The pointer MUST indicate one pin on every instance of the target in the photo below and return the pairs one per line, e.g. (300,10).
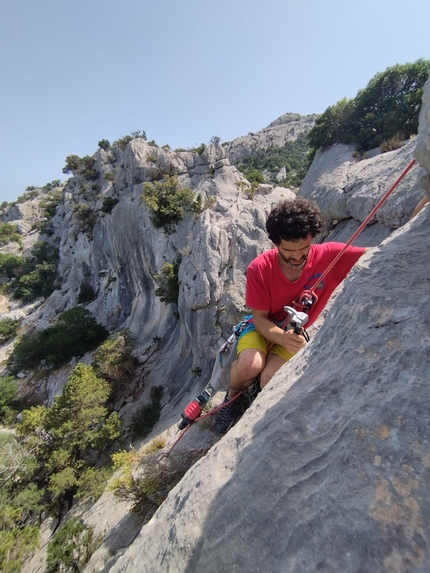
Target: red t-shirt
(267,288)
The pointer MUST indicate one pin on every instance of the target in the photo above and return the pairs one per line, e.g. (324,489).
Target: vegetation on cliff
(388,107)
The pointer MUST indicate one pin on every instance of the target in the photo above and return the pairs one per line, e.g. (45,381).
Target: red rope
(364,223)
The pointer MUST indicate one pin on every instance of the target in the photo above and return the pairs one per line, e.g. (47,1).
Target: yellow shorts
(254,339)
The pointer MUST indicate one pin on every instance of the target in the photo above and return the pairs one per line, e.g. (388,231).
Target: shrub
(9,234)
(16,545)
(109,203)
(168,282)
(75,333)
(200,148)
(8,329)
(12,266)
(85,216)
(9,397)
(109,176)
(167,202)
(36,283)
(86,293)
(139,134)
(145,419)
(114,362)
(122,142)
(148,485)
(392,143)
(35,276)
(83,166)
(50,204)
(104,144)
(71,547)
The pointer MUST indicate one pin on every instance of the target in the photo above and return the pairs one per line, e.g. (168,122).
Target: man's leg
(245,369)
(273,364)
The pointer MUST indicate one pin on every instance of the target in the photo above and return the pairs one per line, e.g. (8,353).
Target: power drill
(194,408)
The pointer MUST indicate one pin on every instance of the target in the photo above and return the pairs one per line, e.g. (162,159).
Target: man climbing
(275,279)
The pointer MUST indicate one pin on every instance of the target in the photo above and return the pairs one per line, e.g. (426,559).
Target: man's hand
(293,342)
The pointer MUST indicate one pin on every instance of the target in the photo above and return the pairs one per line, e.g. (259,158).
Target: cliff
(328,470)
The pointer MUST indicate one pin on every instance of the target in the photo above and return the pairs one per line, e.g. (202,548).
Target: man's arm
(291,341)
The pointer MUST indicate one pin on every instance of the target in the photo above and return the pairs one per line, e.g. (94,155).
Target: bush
(109,203)
(109,176)
(38,282)
(168,282)
(8,329)
(392,143)
(86,217)
(167,202)
(122,142)
(16,545)
(71,547)
(75,333)
(200,148)
(114,362)
(86,293)
(12,266)
(9,397)
(104,144)
(83,166)
(147,486)
(9,234)
(35,276)
(145,419)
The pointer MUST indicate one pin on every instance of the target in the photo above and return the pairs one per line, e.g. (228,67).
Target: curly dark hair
(293,220)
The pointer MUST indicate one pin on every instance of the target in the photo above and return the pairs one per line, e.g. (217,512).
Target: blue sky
(75,72)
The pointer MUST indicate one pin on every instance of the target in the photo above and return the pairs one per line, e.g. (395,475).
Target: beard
(293,263)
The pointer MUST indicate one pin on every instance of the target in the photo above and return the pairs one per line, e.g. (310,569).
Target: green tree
(8,329)
(9,234)
(71,547)
(168,282)
(9,398)
(64,434)
(167,202)
(387,106)
(12,266)
(104,144)
(75,333)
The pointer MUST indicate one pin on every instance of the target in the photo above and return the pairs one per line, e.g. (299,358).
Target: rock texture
(286,128)
(347,189)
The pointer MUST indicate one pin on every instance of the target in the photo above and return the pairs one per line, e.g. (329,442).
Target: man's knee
(250,363)
(273,364)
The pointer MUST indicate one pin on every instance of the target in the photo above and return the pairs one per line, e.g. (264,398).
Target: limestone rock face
(286,128)
(347,189)
(423,139)
(329,468)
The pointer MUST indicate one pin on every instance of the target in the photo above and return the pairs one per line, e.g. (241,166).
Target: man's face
(295,253)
